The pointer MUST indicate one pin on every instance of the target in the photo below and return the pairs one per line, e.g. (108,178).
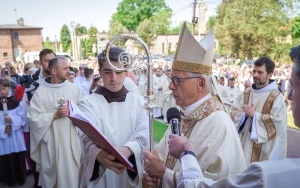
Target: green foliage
(83,48)
(147,31)
(80,30)
(48,44)
(162,21)
(92,32)
(131,12)
(211,22)
(65,38)
(296,28)
(250,28)
(280,52)
(116,28)
(177,29)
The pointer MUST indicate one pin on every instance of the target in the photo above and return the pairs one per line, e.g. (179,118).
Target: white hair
(208,80)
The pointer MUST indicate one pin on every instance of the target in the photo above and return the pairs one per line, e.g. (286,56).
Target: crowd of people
(232,119)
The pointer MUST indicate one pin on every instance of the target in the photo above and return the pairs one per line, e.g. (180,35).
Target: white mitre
(194,56)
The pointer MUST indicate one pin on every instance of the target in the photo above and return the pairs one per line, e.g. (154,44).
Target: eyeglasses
(176,81)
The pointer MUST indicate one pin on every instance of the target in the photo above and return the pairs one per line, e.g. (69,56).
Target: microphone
(173,117)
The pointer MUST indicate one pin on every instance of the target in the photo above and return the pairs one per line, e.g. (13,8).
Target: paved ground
(293,151)
(293,145)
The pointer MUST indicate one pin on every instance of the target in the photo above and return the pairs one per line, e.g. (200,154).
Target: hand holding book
(80,120)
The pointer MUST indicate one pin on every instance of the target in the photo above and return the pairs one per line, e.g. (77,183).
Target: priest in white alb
(55,145)
(261,117)
(160,82)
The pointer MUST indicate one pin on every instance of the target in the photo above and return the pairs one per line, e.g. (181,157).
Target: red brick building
(16,39)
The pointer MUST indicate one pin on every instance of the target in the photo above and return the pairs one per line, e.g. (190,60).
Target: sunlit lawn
(291,121)
(160,128)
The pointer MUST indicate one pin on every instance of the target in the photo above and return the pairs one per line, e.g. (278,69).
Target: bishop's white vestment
(213,135)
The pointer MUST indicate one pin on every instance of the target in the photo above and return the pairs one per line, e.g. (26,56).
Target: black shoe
(10,184)
(28,172)
(20,183)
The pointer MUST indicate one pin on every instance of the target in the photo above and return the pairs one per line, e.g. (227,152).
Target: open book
(80,120)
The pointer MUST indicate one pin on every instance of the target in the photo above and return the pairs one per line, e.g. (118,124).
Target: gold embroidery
(192,67)
(234,113)
(188,122)
(246,101)
(256,152)
(266,119)
(246,96)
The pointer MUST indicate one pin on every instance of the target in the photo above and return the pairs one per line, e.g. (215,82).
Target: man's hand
(153,166)
(61,111)
(125,151)
(107,160)
(8,130)
(148,181)
(8,127)
(179,144)
(7,120)
(249,110)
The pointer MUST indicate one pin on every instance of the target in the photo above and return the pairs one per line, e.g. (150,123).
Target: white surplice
(124,124)
(15,142)
(55,145)
(264,136)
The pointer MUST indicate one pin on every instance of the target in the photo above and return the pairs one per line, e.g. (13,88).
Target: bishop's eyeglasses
(176,81)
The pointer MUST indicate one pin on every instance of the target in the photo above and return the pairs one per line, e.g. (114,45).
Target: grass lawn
(291,121)
(160,128)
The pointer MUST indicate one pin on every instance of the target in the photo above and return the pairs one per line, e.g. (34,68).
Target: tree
(131,12)
(296,28)
(83,48)
(65,38)
(211,22)
(48,44)
(177,29)
(146,31)
(116,28)
(92,40)
(80,30)
(249,28)
(163,21)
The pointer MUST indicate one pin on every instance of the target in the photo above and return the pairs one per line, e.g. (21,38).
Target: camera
(27,80)
(6,72)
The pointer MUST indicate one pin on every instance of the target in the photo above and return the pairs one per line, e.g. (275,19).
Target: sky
(52,15)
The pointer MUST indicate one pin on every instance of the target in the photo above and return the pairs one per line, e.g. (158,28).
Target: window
(163,47)
(169,47)
(5,55)
(16,35)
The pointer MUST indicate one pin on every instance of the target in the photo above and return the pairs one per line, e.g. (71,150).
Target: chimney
(21,21)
